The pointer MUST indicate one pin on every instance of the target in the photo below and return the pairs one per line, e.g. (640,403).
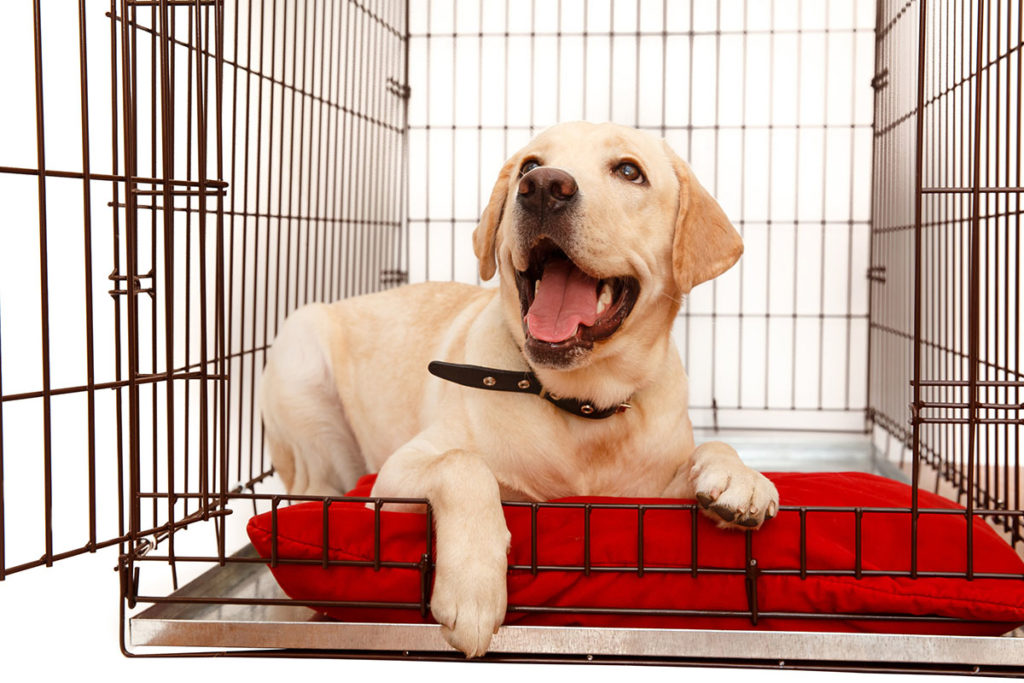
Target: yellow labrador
(596,232)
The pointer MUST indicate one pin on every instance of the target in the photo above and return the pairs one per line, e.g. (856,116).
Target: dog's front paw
(730,492)
(469,602)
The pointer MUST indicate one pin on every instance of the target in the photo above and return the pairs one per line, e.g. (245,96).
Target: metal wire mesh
(235,162)
(945,246)
(771,105)
(193,171)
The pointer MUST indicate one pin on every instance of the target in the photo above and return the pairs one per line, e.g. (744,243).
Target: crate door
(114,182)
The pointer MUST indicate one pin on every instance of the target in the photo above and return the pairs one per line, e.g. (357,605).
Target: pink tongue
(566,297)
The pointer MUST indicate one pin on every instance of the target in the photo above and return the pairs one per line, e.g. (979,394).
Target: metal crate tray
(300,628)
(293,627)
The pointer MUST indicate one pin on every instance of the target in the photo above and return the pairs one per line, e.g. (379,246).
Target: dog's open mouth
(564,307)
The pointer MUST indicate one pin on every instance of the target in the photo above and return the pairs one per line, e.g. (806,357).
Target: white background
(61,623)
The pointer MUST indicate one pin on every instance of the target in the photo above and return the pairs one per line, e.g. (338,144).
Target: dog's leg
(731,493)
(311,444)
(470,590)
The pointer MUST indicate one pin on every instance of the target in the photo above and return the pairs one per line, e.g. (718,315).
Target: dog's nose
(546,190)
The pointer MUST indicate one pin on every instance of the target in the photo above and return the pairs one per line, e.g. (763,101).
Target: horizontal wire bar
(969,190)
(639,34)
(118,384)
(78,175)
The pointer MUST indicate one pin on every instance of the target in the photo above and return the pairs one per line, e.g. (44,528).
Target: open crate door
(192,171)
(109,374)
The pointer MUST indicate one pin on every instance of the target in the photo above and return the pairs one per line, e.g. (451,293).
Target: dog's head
(598,231)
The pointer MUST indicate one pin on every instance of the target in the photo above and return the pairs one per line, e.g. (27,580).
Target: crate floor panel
(279,625)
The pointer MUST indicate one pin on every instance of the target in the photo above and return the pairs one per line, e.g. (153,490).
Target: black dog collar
(519,382)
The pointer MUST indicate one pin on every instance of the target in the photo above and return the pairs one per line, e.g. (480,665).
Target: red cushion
(981,606)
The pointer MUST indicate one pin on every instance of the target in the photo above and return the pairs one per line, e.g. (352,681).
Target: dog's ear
(705,243)
(486,233)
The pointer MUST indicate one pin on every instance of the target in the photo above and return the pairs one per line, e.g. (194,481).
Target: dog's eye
(528,166)
(630,172)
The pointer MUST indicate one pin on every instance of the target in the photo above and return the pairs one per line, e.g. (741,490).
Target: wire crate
(183,174)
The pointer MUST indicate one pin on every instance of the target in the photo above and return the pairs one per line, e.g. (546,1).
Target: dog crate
(180,175)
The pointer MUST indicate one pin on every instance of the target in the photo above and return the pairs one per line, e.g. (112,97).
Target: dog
(596,232)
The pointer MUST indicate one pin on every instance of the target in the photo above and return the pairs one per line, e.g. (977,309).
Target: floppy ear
(705,244)
(486,231)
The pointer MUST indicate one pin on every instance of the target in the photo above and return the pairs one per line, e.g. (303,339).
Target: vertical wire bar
(1017,283)
(238,224)
(455,90)
(715,146)
(131,255)
(265,220)
(304,222)
(349,190)
(394,164)
(220,340)
(858,542)
(325,537)
(201,462)
(377,503)
(693,540)
(741,223)
(44,294)
(273,530)
(315,170)
(279,292)
(918,198)
(329,164)
(768,210)
(246,223)
(1007,269)
(848,332)
(362,99)
(293,279)
(685,311)
(377,201)
(796,210)
(90,374)
(587,509)
(270,221)
(984,483)
(404,203)
(153,240)
(334,156)
(426,566)
(148,79)
(752,571)
(115,258)
(533,538)
(640,511)
(824,213)
(163,29)
(322,175)
(975,289)
(803,543)
(202,114)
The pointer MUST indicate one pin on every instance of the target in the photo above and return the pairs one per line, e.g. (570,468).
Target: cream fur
(346,391)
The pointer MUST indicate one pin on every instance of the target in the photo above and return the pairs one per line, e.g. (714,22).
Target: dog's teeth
(605,299)
(536,286)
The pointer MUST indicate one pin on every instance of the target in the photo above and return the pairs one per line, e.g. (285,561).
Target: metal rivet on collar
(554,397)
(524,384)
(489,381)
(586,409)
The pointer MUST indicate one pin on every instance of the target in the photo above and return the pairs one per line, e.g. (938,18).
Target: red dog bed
(813,569)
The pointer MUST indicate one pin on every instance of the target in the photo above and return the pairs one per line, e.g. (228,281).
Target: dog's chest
(599,461)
